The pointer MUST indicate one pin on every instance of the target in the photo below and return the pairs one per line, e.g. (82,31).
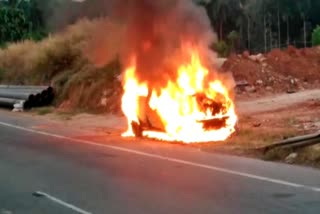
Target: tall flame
(184,106)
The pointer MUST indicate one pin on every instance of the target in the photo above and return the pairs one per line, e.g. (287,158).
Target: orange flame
(178,105)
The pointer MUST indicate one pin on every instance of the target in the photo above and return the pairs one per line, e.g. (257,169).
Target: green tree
(13,25)
(223,13)
(21,19)
(304,10)
(316,36)
(233,38)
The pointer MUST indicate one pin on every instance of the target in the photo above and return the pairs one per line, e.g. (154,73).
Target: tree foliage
(265,24)
(20,20)
(14,25)
(316,36)
(222,48)
(260,24)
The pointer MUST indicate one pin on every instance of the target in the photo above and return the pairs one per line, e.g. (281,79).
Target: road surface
(75,171)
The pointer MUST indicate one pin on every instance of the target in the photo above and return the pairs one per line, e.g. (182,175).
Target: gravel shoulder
(276,102)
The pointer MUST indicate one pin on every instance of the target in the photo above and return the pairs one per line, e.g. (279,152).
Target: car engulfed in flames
(193,107)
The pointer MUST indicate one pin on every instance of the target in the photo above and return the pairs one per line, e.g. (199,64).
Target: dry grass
(44,110)
(310,156)
(61,60)
(306,156)
(31,62)
(254,132)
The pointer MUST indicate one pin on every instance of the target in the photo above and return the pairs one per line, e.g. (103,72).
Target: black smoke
(154,31)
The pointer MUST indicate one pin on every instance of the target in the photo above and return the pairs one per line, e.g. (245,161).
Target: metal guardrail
(294,143)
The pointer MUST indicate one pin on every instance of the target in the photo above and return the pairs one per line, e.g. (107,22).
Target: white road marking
(62,203)
(190,163)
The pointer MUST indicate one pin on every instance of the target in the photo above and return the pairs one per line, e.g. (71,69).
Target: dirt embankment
(278,71)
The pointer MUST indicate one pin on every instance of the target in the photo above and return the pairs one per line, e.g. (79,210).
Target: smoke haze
(153,32)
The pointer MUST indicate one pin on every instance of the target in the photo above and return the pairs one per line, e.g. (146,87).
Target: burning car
(193,107)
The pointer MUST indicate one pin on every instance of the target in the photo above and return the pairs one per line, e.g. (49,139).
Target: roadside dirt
(278,71)
(270,120)
(276,102)
(269,108)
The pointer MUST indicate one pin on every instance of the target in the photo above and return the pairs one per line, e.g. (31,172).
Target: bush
(37,35)
(233,38)
(316,36)
(222,48)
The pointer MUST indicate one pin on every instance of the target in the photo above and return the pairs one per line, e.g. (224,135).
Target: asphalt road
(81,173)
